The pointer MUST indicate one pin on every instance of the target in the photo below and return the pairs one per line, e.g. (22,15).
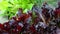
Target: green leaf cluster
(10,7)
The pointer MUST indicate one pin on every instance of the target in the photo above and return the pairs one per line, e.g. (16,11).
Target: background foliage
(10,7)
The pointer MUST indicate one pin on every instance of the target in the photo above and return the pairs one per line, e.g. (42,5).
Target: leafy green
(12,6)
